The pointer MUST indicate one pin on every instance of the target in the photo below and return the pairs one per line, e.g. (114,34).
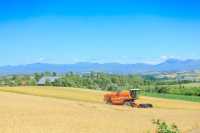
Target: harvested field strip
(59,92)
(84,95)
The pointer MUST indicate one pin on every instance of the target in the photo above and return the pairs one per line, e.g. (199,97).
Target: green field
(187,85)
(173,96)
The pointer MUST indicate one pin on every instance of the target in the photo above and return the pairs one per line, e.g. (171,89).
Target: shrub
(163,127)
(161,89)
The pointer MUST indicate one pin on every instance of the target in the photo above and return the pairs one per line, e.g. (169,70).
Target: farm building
(43,80)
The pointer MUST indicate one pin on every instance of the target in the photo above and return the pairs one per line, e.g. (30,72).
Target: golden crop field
(72,110)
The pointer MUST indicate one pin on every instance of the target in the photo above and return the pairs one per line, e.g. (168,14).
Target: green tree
(54,74)
(38,76)
(48,83)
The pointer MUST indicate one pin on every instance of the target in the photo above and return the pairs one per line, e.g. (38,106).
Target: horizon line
(92,62)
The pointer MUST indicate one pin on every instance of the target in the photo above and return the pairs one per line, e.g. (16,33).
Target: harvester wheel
(145,106)
(108,101)
(128,103)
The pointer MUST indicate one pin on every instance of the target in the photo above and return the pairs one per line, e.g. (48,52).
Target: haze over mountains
(171,65)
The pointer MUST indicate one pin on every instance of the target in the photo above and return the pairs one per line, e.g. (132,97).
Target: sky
(122,31)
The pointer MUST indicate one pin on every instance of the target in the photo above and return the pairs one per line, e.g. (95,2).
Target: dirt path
(32,114)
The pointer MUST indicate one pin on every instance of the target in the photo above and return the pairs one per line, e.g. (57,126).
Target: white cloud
(41,59)
(170,57)
(164,57)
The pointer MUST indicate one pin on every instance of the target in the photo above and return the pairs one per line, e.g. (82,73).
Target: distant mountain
(171,65)
(79,68)
(174,65)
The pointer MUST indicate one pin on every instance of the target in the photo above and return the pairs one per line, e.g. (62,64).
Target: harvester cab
(134,93)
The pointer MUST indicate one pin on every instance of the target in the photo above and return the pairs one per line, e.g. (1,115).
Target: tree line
(104,81)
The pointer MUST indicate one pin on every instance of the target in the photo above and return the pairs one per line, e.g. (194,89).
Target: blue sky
(124,31)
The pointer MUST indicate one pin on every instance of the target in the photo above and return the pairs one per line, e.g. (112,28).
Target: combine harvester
(127,98)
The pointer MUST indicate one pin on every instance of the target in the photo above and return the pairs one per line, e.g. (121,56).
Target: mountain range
(171,65)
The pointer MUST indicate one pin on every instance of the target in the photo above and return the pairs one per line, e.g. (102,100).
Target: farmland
(173,96)
(61,110)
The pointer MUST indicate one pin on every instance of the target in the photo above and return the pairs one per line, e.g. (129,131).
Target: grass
(173,96)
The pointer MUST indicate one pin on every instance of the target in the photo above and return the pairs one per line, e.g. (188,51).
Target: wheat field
(73,110)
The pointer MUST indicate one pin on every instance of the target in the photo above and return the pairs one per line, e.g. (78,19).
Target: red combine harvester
(125,98)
